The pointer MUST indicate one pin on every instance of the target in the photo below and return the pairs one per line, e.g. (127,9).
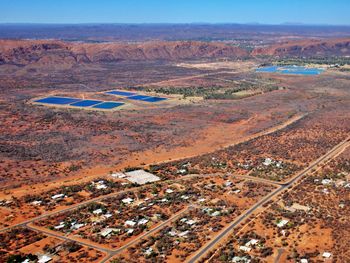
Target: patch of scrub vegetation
(340,61)
(232,91)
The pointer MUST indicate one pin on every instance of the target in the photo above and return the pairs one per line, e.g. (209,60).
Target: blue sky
(335,12)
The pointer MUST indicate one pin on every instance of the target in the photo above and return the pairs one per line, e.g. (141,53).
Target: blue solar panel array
(154,99)
(135,96)
(138,97)
(108,105)
(121,93)
(86,103)
(58,100)
(97,104)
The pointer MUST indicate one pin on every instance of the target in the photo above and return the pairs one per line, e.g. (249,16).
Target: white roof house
(251,242)
(107,231)
(325,191)
(267,161)
(169,191)
(282,222)
(216,213)
(172,233)
(97,211)
(61,225)
(107,215)
(77,226)
(58,196)
(326,181)
(101,186)
(130,223)
(127,200)
(326,254)
(228,183)
(245,249)
(44,259)
(130,231)
(148,251)
(142,221)
(237,259)
(191,222)
(118,175)
(184,234)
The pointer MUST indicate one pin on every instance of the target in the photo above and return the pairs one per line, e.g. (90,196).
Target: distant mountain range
(169,32)
(51,52)
(44,52)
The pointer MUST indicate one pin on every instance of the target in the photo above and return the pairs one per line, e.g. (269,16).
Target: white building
(282,223)
(127,200)
(169,191)
(97,211)
(184,234)
(245,249)
(44,259)
(326,181)
(130,223)
(141,177)
(60,226)
(142,221)
(58,196)
(251,242)
(326,254)
(267,161)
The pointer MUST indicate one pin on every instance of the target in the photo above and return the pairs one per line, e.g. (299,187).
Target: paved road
(209,246)
(51,233)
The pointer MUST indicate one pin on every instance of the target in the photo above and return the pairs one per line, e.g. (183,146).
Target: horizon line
(176,23)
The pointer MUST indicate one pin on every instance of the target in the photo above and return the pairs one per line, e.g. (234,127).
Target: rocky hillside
(39,53)
(46,52)
(309,48)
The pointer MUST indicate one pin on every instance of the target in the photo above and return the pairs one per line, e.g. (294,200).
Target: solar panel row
(86,103)
(97,104)
(135,96)
(57,100)
(121,93)
(108,105)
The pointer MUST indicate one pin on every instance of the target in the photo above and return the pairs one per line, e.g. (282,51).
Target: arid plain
(248,163)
